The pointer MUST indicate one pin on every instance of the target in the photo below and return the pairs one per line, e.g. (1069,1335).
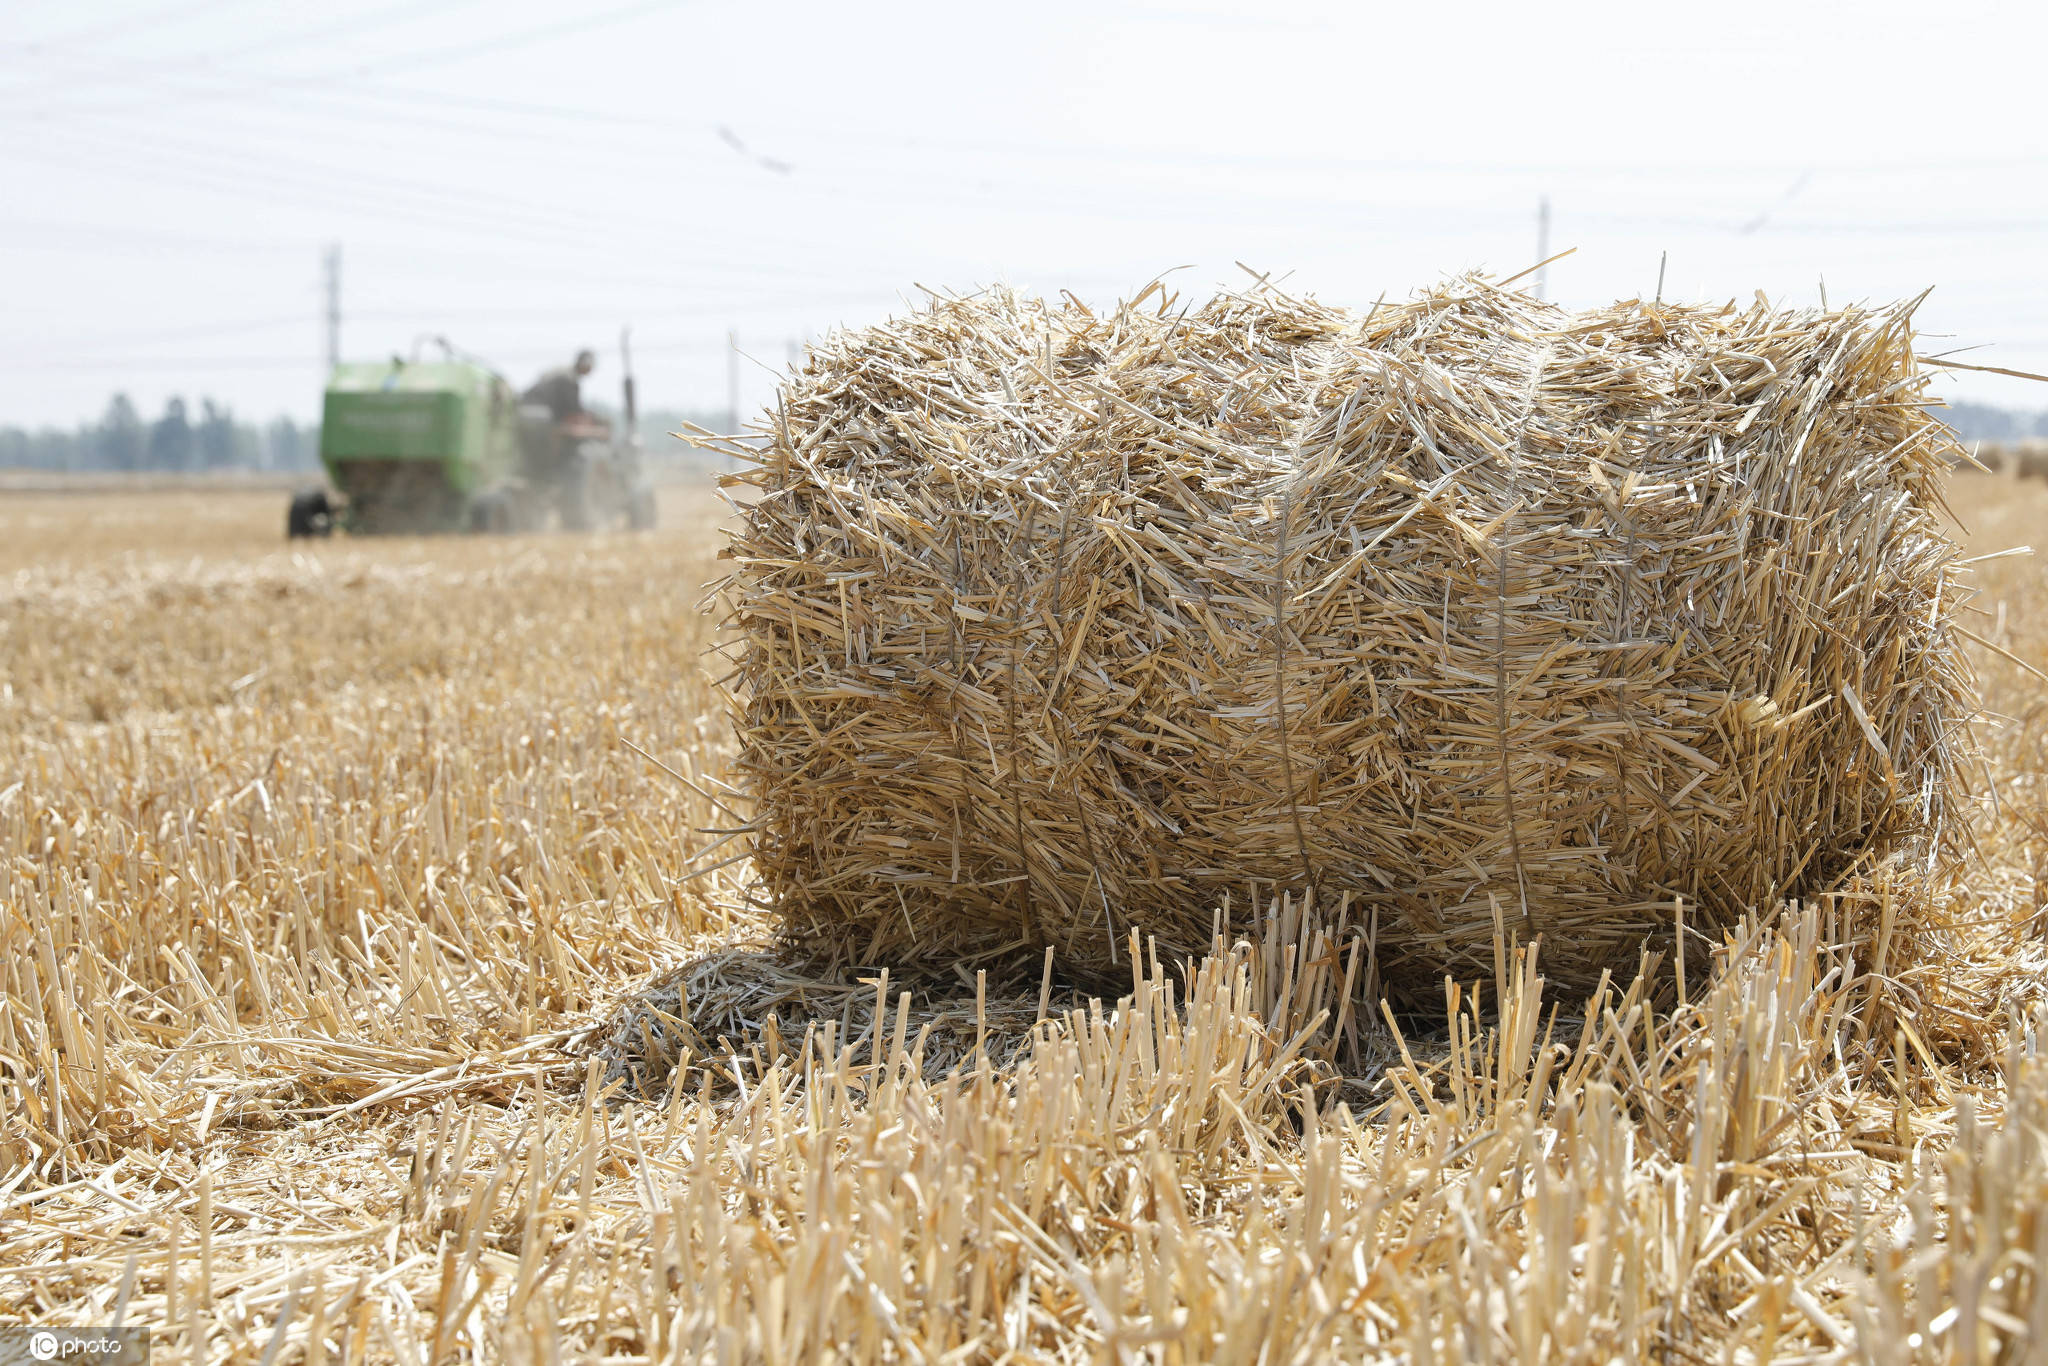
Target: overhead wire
(208,63)
(310,184)
(272,361)
(581,24)
(1220,208)
(894,194)
(724,310)
(31,234)
(1066,152)
(413,61)
(346,186)
(1183,203)
(201,169)
(403,258)
(330,179)
(409,201)
(184,9)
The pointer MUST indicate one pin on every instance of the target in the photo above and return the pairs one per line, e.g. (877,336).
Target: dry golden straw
(1470,612)
(332,877)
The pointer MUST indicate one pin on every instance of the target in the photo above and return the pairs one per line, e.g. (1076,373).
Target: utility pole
(1543,247)
(333,306)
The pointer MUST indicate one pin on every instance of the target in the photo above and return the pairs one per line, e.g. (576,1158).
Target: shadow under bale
(728,1016)
(737,1012)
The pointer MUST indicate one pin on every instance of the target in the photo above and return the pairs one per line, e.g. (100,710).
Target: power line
(273,361)
(186,9)
(327,187)
(1093,150)
(330,185)
(221,329)
(238,182)
(526,38)
(335,183)
(435,195)
(204,170)
(404,12)
(423,197)
(324,86)
(416,198)
(1178,204)
(1126,156)
(354,25)
(31,234)
(68,236)
(593,314)
(410,62)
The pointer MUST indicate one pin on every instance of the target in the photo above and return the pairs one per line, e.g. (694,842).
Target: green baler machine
(413,447)
(423,447)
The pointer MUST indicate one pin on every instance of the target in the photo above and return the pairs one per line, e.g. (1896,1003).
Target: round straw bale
(1469,613)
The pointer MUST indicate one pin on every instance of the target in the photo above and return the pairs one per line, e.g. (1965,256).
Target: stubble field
(376,984)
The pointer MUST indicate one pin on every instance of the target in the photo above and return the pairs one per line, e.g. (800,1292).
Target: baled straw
(1473,612)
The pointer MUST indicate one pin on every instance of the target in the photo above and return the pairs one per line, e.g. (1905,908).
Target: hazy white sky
(526,178)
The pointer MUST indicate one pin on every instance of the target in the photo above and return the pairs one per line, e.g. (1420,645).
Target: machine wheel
(311,515)
(492,513)
(640,509)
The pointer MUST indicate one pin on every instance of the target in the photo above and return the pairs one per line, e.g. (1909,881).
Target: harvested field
(369,996)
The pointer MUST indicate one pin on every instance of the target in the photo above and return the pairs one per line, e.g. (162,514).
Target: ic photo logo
(123,1346)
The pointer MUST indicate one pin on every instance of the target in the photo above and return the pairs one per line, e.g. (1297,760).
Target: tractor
(422,447)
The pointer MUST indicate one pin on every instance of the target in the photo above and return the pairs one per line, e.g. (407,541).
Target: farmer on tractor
(555,460)
(561,389)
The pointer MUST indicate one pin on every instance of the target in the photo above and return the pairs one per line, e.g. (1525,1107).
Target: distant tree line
(185,440)
(180,441)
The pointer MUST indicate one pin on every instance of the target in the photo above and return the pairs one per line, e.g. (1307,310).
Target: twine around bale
(1502,550)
